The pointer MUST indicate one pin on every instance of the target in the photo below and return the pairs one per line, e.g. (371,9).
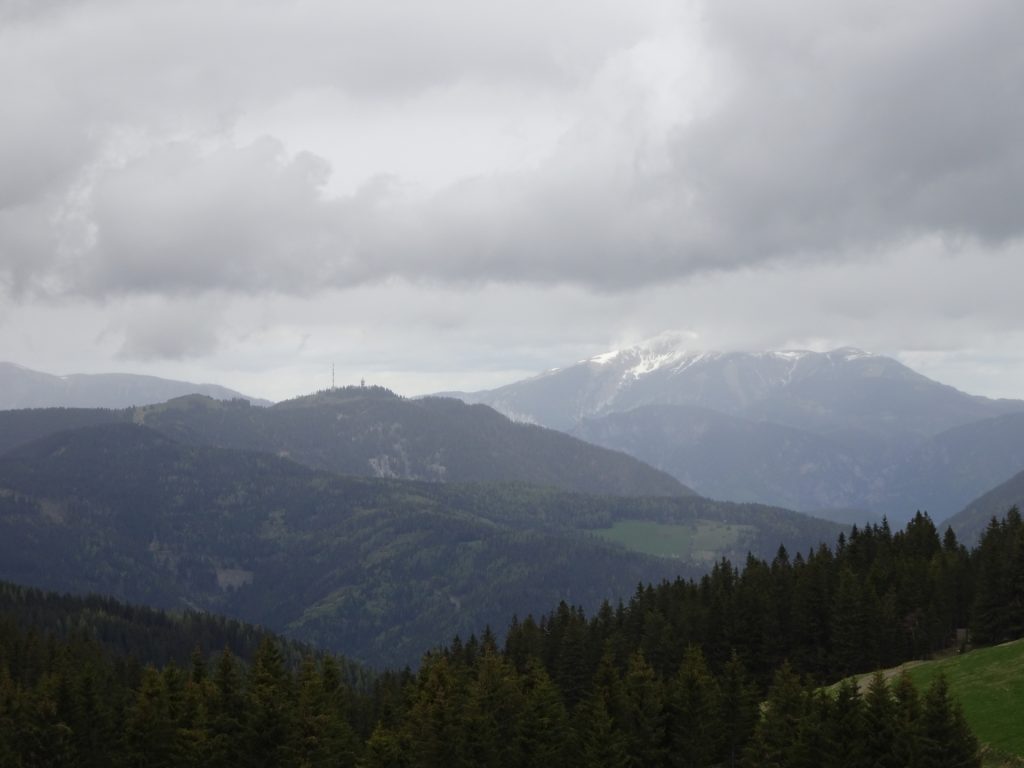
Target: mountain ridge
(971,521)
(730,382)
(22,387)
(382,568)
(852,422)
(371,432)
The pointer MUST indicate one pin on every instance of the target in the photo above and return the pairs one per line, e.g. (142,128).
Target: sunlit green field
(701,540)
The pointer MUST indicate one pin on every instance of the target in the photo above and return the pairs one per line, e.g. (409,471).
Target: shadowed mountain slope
(838,434)
(372,432)
(379,568)
(970,522)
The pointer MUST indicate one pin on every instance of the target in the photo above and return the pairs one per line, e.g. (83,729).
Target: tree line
(725,670)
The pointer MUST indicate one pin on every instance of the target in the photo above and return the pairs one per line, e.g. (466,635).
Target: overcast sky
(455,194)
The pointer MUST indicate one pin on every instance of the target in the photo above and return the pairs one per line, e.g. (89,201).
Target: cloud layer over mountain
(230,161)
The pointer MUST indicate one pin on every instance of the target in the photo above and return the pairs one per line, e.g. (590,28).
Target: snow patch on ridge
(604,358)
(792,354)
(651,360)
(851,353)
(668,352)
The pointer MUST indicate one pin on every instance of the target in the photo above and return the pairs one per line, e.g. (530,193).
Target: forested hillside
(380,569)
(371,432)
(721,671)
(970,522)
(147,635)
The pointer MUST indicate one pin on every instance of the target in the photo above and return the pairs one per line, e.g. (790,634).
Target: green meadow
(989,684)
(698,541)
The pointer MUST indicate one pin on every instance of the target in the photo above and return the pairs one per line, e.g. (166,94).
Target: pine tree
(544,725)
(270,728)
(997,610)
(150,732)
(226,713)
(780,738)
(947,741)
(600,743)
(846,729)
(494,713)
(880,724)
(571,671)
(695,731)
(8,707)
(385,748)
(851,626)
(738,710)
(436,717)
(643,714)
(907,731)
(324,737)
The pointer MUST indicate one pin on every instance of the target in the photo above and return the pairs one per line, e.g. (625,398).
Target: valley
(360,531)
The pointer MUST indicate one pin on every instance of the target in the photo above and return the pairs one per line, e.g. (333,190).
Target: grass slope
(696,541)
(989,684)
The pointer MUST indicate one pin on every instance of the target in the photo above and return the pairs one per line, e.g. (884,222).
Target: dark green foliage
(380,569)
(643,713)
(148,635)
(566,690)
(661,680)
(739,710)
(846,729)
(999,582)
(945,739)
(19,427)
(544,728)
(695,727)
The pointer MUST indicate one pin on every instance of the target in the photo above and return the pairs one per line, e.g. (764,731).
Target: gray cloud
(181,221)
(853,126)
(103,97)
(828,135)
(177,333)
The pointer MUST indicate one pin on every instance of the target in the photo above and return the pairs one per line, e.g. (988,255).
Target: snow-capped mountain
(845,389)
(815,431)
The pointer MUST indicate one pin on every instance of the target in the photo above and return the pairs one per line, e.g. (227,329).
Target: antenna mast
(332,375)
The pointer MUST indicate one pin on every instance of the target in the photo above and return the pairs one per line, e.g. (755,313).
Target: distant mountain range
(24,388)
(844,433)
(370,431)
(970,522)
(380,568)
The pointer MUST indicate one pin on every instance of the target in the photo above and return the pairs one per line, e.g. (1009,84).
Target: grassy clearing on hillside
(700,541)
(989,684)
